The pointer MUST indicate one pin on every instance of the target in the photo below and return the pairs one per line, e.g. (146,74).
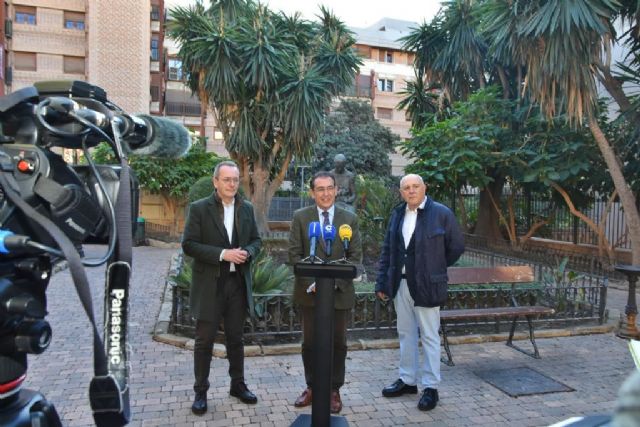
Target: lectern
(325,276)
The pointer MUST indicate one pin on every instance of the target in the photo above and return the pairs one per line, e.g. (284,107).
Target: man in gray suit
(323,191)
(221,235)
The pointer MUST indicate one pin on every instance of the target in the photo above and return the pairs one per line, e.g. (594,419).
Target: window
(385,85)
(175,69)
(155,12)
(73,64)
(155,93)
(384,113)
(73,20)
(25,61)
(385,56)
(155,52)
(26,15)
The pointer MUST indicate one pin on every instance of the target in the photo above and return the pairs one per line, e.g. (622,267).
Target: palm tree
(269,79)
(563,44)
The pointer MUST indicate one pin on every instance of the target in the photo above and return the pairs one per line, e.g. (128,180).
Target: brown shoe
(336,402)
(304,399)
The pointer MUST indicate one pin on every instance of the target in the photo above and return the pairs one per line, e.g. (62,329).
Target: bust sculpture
(346,183)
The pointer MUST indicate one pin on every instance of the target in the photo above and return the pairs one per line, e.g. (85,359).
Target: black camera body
(36,123)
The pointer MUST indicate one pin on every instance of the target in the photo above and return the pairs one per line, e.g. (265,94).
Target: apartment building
(115,44)
(383,76)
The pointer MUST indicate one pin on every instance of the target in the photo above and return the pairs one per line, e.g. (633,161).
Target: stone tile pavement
(161,374)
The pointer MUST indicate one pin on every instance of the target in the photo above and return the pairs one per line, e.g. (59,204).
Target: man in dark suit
(221,235)
(323,191)
(422,240)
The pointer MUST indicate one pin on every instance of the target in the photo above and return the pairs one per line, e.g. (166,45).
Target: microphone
(154,136)
(329,235)
(142,134)
(313,233)
(345,234)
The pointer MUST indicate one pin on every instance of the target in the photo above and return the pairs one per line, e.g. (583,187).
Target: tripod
(23,330)
(26,408)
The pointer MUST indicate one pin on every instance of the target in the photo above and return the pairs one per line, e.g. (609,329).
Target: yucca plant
(269,278)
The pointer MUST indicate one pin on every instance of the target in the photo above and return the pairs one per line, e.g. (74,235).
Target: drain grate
(521,381)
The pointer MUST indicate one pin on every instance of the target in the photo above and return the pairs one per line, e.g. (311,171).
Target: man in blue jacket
(422,240)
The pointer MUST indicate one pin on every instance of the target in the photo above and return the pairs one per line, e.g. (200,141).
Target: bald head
(410,178)
(412,190)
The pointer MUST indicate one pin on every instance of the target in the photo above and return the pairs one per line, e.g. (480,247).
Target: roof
(384,33)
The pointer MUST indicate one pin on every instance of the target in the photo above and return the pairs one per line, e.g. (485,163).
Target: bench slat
(502,274)
(474,313)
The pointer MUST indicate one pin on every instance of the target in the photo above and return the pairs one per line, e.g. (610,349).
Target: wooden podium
(325,275)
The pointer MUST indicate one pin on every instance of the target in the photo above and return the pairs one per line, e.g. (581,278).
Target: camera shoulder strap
(78,274)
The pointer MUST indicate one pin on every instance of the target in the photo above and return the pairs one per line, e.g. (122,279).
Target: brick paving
(161,374)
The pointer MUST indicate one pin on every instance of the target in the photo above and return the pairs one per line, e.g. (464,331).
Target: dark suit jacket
(299,246)
(204,239)
(438,244)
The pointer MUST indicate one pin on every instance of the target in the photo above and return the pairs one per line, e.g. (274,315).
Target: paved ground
(593,365)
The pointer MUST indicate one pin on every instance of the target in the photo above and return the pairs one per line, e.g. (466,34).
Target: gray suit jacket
(204,239)
(299,246)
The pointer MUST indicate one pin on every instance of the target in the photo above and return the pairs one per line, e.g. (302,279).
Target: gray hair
(230,163)
(411,175)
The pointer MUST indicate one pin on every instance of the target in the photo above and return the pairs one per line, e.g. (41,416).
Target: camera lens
(33,336)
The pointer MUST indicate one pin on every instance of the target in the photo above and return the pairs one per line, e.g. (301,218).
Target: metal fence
(528,207)
(577,300)
(563,225)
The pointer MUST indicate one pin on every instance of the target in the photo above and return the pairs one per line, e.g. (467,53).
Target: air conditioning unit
(8,28)
(8,76)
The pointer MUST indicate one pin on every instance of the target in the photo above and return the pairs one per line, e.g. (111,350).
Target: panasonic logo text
(116,331)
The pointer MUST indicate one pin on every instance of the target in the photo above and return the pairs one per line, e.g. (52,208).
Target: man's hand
(236,256)
(383,297)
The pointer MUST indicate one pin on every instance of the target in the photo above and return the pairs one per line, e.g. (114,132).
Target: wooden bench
(517,277)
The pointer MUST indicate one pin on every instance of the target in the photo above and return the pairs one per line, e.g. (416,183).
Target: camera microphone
(155,136)
(142,134)
(313,233)
(345,232)
(329,235)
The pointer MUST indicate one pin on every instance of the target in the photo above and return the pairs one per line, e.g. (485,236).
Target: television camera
(48,209)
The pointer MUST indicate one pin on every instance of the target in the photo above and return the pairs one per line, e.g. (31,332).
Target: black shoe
(429,399)
(399,388)
(199,406)
(241,391)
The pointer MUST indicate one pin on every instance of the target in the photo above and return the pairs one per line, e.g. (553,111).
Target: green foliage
(270,79)
(375,203)
(202,188)
(353,131)
(173,177)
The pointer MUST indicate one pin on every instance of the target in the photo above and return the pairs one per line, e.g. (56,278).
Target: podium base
(304,420)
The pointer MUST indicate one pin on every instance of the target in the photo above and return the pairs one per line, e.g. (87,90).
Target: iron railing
(577,300)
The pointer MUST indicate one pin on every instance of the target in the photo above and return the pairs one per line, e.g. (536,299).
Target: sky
(355,13)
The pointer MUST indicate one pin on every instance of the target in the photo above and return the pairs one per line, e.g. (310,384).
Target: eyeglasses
(229,180)
(324,189)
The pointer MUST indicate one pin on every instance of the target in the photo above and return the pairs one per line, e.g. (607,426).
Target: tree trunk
(488,224)
(259,198)
(627,198)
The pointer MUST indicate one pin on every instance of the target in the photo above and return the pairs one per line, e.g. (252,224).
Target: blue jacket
(438,244)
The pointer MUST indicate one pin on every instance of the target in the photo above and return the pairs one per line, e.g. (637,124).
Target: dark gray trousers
(230,306)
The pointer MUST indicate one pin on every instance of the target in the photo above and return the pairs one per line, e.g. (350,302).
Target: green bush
(202,188)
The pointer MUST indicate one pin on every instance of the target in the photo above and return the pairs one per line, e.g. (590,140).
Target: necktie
(325,216)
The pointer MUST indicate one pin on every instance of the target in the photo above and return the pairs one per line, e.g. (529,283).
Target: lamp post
(628,328)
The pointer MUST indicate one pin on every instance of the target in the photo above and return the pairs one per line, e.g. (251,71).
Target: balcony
(358,92)
(182,109)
